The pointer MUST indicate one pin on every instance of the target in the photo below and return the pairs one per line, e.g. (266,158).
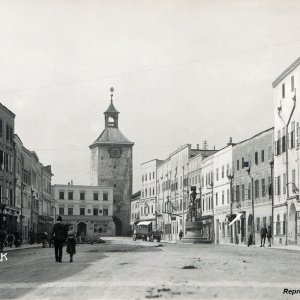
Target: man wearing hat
(59,237)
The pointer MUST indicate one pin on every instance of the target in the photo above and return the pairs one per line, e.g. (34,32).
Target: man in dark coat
(263,234)
(59,235)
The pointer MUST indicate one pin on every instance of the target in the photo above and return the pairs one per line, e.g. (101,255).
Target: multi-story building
(207,195)
(222,180)
(7,182)
(251,186)
(33,191)
(111,165)
(286,229)
(135,208)
(88,209)
(173,190)
(147,203)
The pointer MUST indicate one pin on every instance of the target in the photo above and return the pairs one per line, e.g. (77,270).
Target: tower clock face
(115,153)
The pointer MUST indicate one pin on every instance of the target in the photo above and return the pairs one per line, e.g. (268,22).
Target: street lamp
(252,201)
(211,186)
(231,178)
(271,162)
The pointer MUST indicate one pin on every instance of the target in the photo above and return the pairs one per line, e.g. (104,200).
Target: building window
(283,90)
(292,84)
(142,178)
(89,211)
(217,174)
(82,211)
(262,156)
(292,135)
(249,191)
(61,195)
(263,187)
(283,140)
(278,225)
(105,196)
(153,176)
(237,193)
(294,178)
(243,192)
(70,211)
(105,212)
(284,183)
(7,132)
(277,185)
(96,196)
(95,211)
(256,158)
(237,165)
(82,196)
(228,197)
(222,171)
(256,189)
(223,197)
(70,195)
(257,224)
(61,211)
(216,199)
(115,185)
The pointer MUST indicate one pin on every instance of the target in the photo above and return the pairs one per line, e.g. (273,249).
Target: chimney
(68,183)
(71,182)
(197,146)
(204,145)
(230,142)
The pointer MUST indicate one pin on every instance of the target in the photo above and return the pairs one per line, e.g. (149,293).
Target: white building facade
(88,209)
(286,229)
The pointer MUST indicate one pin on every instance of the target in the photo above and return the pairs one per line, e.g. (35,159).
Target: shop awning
(145,223)
(236,218)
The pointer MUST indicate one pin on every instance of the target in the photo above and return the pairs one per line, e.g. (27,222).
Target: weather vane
(111,95)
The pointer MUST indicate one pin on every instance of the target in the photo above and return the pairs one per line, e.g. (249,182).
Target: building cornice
(288,70)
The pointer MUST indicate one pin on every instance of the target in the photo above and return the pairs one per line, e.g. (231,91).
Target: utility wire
(146,70)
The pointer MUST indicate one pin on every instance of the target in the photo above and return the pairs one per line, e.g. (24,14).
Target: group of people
(60,235)
(265,233)
(8,239)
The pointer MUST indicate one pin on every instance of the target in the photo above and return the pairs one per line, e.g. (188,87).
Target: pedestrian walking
(59,237)
(71,244)
(269,235)
(263,234)
(180,234)
(31,237)
(2,237)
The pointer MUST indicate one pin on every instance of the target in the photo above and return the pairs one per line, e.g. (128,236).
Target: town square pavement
(124,269)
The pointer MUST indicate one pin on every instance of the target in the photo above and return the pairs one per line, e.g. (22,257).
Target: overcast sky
(183,72)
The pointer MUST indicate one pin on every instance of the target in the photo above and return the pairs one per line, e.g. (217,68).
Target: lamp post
(252,201)
(231,178)
(271,162)
(21,217)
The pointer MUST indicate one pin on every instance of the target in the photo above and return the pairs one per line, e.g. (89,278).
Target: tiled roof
(111,135)
(111,109)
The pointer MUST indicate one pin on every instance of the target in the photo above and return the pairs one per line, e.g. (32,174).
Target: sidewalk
(23,247)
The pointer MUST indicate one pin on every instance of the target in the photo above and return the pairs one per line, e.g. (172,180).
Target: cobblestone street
(123,269)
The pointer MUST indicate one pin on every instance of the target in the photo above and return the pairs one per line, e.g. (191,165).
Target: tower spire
(112,94)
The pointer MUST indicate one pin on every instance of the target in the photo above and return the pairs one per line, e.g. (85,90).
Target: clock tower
(111,166)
